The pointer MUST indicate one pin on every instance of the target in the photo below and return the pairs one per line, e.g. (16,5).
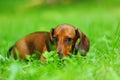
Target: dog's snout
(59,49)
(59,52)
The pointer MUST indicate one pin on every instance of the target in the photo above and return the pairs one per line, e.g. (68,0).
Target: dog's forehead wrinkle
(65,33)
(65,26)
(64,30)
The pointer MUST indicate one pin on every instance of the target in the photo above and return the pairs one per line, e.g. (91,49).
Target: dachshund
(63,37)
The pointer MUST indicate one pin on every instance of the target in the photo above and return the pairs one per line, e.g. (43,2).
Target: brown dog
(63,36)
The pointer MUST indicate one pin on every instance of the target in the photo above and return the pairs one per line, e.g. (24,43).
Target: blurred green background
(98,19)
(18,18)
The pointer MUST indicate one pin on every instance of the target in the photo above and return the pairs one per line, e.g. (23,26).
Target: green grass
(100,23)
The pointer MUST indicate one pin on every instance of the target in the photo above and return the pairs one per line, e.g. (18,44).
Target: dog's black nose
(59,55)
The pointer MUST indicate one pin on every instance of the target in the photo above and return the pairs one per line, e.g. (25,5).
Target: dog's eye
(55,39)
(68,40)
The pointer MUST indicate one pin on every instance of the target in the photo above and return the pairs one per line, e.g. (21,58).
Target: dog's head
(65,37)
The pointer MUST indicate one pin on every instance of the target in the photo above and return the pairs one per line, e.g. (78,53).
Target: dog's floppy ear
(84,44)
(51,34)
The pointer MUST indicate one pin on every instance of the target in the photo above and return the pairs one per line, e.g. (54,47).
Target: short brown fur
(37,41)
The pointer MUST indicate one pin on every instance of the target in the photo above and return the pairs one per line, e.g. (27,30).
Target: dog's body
(38,41)
(63,36)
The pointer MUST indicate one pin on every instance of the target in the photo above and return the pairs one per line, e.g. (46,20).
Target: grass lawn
(100,23)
